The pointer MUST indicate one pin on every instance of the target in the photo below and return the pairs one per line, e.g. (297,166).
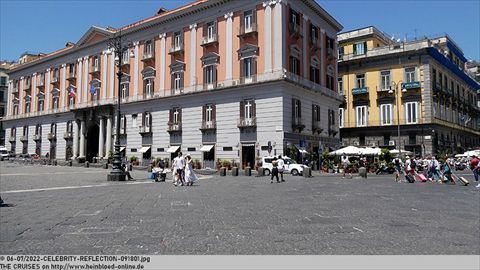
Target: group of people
(278,166)
(183,174)
(434,170)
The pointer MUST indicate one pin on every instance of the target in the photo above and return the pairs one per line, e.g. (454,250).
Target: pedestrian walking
(281,167)
(447,173)
(434,166)
(274,170)
(398,168)
(190,176)
(475,167)
(178,166)
(346,163)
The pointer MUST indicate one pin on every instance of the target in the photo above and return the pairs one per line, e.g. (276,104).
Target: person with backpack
(398,168)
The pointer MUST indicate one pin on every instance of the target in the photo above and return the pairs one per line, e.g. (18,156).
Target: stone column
(306,71)
(33,102)
(112,73)
(46,100)
(279,35)
(108,146)
(268,36)
(104,75)
(229,40)
(135,70)
(193,54)
(75,138)
(61,96)
(100,139)
(163,55)
(322,59)
(21,96)
(82,138)
(79,81)
(85,82)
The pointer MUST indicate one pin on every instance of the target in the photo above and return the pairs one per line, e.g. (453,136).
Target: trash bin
(248,171)
(260,171)
(223,171)
(307,172)
(362,172)
(234,171)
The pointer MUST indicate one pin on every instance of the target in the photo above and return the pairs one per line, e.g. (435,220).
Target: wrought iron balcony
(174,127)
(247,122)
(123,131)
(37,137)
(315,43)
(209,40)
(208,125)
(144,129)
(297,124)
(12,139)
(71,76)
(332,130)
(316,127)
(295,29)
(41,83)
(55,79)
(27,85)
(176,48)
(247,31)
(95,69)
(24,138)
(51,136)
(67,135)
(15,89)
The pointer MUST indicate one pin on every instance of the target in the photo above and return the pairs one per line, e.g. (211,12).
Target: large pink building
(217,79)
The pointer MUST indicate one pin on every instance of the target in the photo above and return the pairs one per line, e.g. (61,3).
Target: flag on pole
(92,89)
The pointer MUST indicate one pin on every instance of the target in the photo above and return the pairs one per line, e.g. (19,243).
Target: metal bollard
(362,171)
(248,171)
(87,164)
(307,172)
(260,172)
(223,171)
(234,171)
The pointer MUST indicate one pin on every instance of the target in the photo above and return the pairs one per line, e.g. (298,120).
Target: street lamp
(117,173)
(396,90)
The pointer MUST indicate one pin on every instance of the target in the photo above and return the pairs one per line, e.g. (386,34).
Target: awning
(300,149)
(206,148)
(173,149)
(145,149)
(122,148)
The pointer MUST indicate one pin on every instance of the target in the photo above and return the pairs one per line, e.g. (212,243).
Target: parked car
(4,153)
(291,166)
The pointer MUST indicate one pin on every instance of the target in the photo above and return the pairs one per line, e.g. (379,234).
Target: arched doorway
(92,142)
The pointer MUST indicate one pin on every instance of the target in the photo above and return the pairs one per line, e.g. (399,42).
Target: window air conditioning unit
(355,143)
(391,143)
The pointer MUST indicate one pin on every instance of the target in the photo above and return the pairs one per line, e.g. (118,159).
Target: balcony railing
(71,75)
(316,127)
(51,136)
(24,138)
(208,125)
(37,137)
(209,40)
(148,56)
(295,29)
(174,127)
(178,48)
(332,130)
(247,122)
(27,85)
(14,90)
(411,85)
(314,43)
(67,135)
(297,124)
(123,131)
(41,83)
(12,139)
(55,79)
(94,69)
(144,129)
(245,31)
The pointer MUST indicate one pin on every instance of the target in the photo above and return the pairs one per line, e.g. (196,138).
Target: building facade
(418,88)
(4,68)
(222,79)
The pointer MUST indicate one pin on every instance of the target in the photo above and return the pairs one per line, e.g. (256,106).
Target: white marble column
(135,70)
(104,74)
(75,138)
(79,81)
(82,138)
(86,90)
(47,92)
(62,86)
(193,54)
(268,36)
(228,42)
(163,55)
(306,71)
(33,102)
(279,35)
(108,145)
(100,139)
(112,73)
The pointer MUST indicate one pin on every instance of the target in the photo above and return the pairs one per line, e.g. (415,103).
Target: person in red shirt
(474,165)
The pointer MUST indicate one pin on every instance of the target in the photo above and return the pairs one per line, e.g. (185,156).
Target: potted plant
(197,164)
(134,161)
(226,164)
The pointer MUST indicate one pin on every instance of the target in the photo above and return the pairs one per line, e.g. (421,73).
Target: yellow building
(418,89)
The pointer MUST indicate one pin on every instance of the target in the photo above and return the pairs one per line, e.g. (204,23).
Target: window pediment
(249,50)
(148,72)
(210,59)
(178,66)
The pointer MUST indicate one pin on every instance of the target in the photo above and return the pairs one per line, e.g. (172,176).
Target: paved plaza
(72,210)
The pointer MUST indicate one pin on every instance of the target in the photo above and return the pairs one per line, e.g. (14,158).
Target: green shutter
(365,47)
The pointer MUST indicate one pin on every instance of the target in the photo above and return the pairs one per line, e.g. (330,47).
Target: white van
(3,153)
(290,166)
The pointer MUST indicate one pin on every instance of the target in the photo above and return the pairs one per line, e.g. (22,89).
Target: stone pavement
(68,210)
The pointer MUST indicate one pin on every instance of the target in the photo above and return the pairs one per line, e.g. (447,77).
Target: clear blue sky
(45,26)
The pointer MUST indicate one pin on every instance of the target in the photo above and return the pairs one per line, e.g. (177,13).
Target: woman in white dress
(190,176)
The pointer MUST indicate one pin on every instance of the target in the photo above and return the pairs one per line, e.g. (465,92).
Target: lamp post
(117,173)
(396,86)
